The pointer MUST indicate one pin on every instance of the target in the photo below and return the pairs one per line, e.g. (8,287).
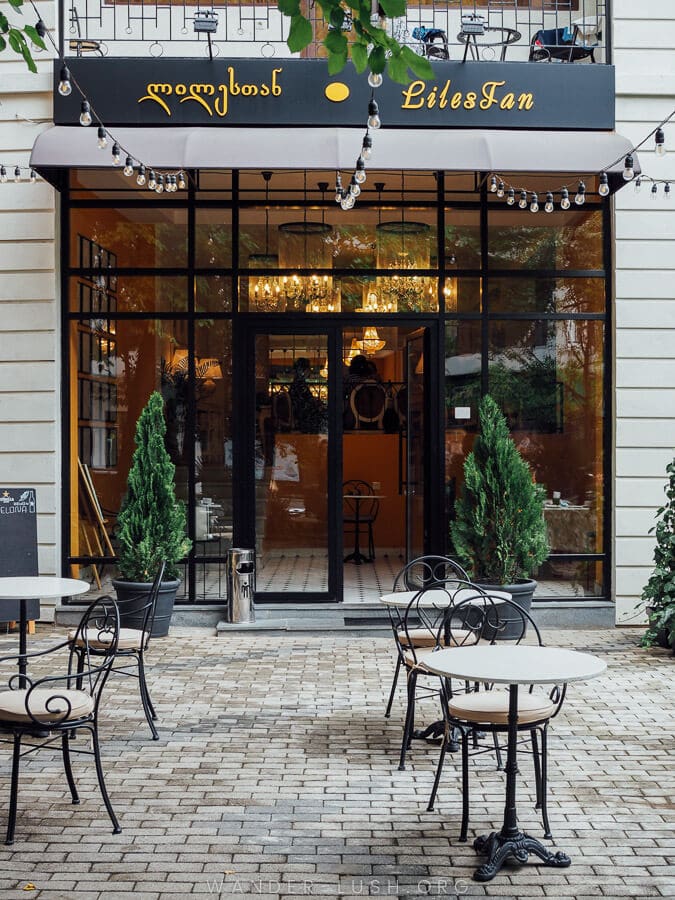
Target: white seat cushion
(13,705)
(492,707)
(422,637)
(129,639)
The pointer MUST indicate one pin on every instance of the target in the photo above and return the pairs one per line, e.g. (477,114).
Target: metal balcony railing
(513,30)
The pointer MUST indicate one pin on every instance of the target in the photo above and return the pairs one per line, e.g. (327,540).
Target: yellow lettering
(470,101)
(442,101)
(525,101)
(234,87)
(155,89)
(249,90)
(508,101)
(264,90)
(276,88)
(221,102)
(196,90)
(431,98)
(414,89)
(181,90)
(456,101)
(488,92)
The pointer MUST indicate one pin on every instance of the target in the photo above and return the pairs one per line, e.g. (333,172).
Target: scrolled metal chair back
(139,610)
(489,616)
(427,570)
(432,609)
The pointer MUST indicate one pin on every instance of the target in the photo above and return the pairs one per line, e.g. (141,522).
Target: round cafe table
(27,587)
(514,665)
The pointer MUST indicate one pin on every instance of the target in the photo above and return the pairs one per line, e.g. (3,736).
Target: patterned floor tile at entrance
(276,776)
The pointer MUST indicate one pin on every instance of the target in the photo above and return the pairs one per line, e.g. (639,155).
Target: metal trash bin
(241,584)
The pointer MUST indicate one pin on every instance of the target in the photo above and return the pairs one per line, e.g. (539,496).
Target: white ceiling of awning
(337,148)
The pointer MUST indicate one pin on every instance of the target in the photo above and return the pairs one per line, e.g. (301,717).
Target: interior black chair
(138,613)
(368,509)
(486,711)
(55,707)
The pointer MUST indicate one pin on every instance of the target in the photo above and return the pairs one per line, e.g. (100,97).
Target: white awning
(338,148)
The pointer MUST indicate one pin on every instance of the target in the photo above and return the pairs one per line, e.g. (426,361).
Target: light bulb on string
(500,189)
(102,138)
(17,175)
(360,174)
(655,191)
(548,206)
(85,113)
(565,199)
(534,204)
(347,202)
(140,178)
(367,148)
(522,203)
(373,115)
(338,187)
(511,197)
(116,154)
(493,185)
(580,196)
(182,184)
(638,184)
(160,184)
(666,190)
(660,142)
(603,186)
(65,88)
(375,79)
(33,176)
(628,170)
(3,175)
(152,181)
(128,167)
(354,188)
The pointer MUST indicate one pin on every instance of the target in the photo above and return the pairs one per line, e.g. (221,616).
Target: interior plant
(151,525)
(659,593)
(499,530)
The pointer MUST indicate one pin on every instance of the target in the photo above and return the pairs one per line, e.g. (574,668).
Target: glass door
(416,443)
(292,465)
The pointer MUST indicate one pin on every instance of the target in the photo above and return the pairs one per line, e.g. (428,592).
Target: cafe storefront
(246,296)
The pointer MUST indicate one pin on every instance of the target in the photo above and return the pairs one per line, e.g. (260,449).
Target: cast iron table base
(498,848)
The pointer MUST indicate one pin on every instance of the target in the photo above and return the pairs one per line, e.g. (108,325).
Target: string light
(565,199)
(655,191)
(367,147)
(548,206)
(659,142)
(373,115)
(522,203)
(65,88)
(3,175)
(128,167)
(375,79)
(140,178)
(511,197)
(534,205)
(493,184)
(102,137)
(500,189)
(666,190)
(360,174)
(116,154)
(17,174)
(628,171)
(85,113)
(603,186)
(580,197)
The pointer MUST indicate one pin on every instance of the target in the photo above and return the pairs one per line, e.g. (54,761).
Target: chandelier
(371,341)
(264,291)
(303,245)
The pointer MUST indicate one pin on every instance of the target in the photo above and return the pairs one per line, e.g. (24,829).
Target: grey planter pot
(521,592)
(132,613)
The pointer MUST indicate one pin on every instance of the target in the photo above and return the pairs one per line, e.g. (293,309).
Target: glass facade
(172,294)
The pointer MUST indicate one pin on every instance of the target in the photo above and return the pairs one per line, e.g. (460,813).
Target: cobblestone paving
(276,776)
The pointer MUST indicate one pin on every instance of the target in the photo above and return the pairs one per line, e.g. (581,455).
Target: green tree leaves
(367,43)
(17,38)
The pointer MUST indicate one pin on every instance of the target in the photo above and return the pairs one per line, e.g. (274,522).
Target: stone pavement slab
(276,776)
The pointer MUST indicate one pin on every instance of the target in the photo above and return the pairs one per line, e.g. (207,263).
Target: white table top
(440,599)
(514,664)
(29,586)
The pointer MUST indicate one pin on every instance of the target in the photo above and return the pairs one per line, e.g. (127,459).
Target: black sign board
(18,545)
(300,92)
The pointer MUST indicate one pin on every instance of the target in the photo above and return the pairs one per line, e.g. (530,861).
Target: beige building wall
(644,55)
(29,337)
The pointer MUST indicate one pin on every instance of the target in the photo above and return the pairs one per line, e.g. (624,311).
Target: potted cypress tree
(151,524)
(659,592)
(499,530)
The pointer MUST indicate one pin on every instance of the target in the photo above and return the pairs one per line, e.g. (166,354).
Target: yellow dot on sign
(337,92)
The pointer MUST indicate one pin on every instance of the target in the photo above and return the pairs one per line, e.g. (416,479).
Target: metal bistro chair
(132,645)
(487,711)
(413,577)
(565,44)
(56,706)
(425,630)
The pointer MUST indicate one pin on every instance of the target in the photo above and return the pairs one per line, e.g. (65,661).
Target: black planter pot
(133,597)
(521,593)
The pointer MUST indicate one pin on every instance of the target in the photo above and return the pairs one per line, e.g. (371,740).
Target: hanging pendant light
(264,292)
